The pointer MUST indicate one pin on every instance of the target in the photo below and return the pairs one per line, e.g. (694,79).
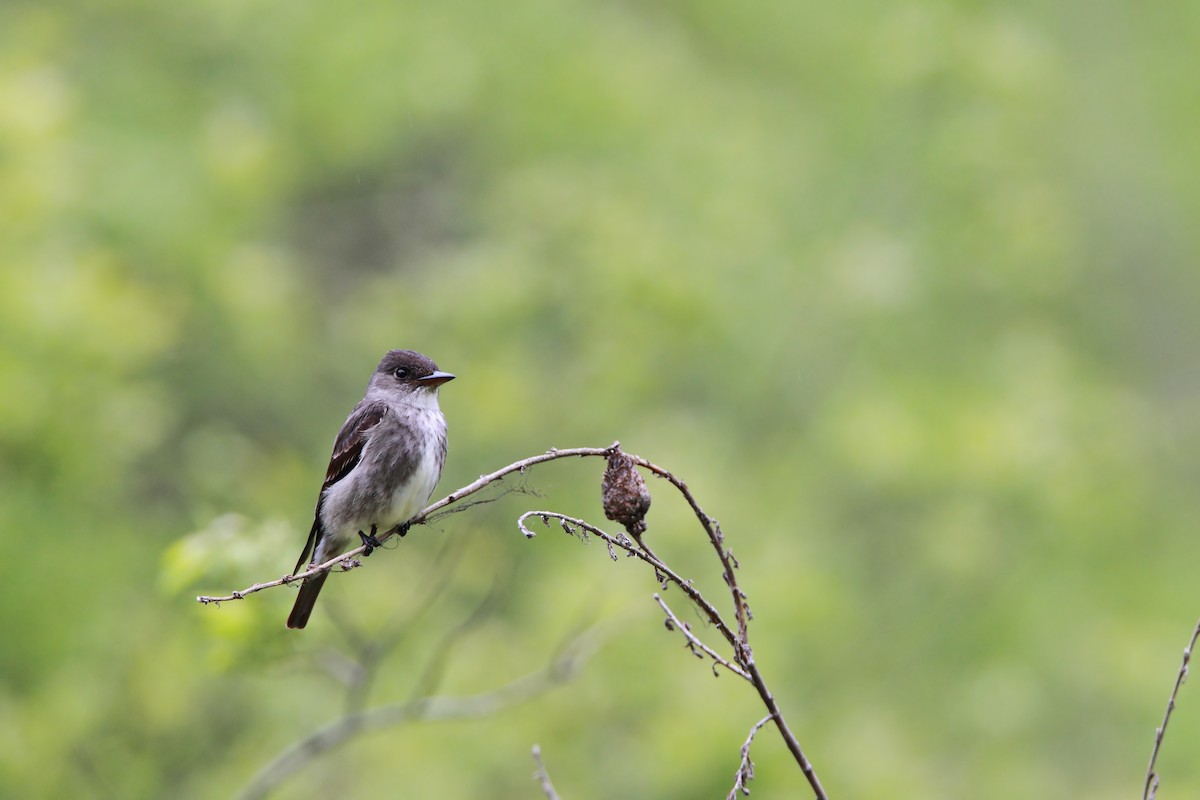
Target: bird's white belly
(411,497)
(350,508)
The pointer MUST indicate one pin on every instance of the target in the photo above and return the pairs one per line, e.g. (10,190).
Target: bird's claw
(369,541)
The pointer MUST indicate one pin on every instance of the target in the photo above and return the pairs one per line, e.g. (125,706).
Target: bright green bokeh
(907,292)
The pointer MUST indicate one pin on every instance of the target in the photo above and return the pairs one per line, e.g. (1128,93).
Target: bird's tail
(305,600)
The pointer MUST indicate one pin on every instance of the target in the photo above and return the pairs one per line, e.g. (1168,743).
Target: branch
(745,772)
(1151,787)
(434,670)
(745,665)
(715,537)
(742,664)
(370,653)
(745,656)
(347,560)
(642,552)
(337,733)
(542,776)
(674,623)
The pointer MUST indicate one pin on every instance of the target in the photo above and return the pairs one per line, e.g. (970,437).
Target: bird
(387,458)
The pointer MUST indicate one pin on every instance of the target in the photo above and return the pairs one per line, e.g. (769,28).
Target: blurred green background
(906,291)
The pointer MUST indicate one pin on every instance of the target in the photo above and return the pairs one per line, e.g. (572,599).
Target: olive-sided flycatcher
(386,460)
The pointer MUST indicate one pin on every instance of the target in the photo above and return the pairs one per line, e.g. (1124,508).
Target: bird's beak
(436,379)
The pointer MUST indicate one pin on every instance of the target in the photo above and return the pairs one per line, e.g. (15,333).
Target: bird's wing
(348,447)
(347,452)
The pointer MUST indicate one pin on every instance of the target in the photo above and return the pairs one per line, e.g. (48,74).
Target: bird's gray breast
(399,468)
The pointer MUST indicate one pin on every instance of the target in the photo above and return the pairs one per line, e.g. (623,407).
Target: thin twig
(645,554)
(337,733)
(715,537)
(434,670)
(370,653)
(542,776)
(739,640)
(1151,787)
(789,738)
(347,560)
(744,655)
(674,623)
(745,772)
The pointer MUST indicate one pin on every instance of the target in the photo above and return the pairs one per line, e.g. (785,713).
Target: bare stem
(743,663)
(745,772)
(677,624)
(622,542)
(542,776)
(715,537)
(347,727)
(1151,787)
(347,560)
(785,732)
(744,654)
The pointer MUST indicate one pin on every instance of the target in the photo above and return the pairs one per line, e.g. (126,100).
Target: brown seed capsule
(623,490)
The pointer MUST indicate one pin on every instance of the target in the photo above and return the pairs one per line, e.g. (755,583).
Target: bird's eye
(401,373)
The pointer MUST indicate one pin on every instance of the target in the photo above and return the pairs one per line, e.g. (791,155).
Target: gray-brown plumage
(386,461)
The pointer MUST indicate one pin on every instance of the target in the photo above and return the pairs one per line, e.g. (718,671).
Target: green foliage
(905,291)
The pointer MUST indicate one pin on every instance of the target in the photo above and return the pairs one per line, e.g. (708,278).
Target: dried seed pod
(623,490)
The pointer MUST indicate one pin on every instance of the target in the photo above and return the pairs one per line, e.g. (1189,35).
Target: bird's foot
(369,541)
(403,529)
